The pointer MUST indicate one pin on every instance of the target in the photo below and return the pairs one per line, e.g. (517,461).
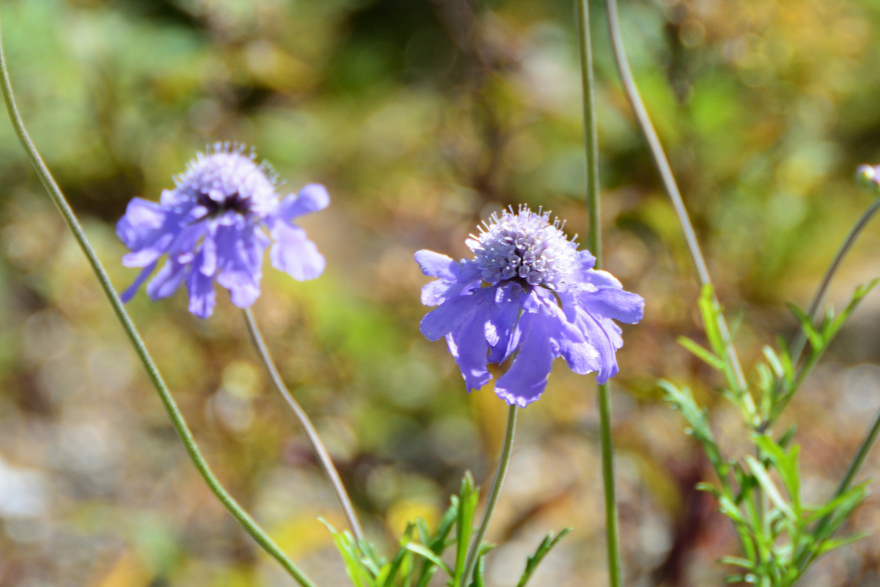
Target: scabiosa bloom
(527,292)
(214,224)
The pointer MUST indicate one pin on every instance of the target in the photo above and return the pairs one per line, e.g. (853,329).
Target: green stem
(612,537)
(815,312)
(671,188)
(815,309)
(854,468)
(503,462)
(174,414)
(314,439)
(591,140)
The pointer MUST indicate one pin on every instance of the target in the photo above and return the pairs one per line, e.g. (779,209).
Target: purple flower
(214,224)
(527,292)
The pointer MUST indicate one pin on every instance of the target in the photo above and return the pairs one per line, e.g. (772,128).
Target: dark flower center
(233,202)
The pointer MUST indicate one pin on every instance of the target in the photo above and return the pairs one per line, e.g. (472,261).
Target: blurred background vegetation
(421,117)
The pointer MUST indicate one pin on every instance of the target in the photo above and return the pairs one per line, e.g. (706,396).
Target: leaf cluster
(420,551)
(760,493)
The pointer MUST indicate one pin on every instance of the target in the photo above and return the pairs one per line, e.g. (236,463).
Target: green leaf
(534,560)
(774,361)
(710,313)
(430,555)
(740,562)
(769,487)
(701,353)
(683,401)
(829,545)
(729,509)
(786,463)
(816,339)
(468,499)
(833,325)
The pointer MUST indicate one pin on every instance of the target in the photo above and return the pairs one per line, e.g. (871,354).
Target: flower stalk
(591,143)
(738,381)
(494,493)
(324,459)
(174,414)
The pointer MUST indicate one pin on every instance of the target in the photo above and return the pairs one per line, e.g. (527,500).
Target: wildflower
(213,224)
(527,292)
(869,176)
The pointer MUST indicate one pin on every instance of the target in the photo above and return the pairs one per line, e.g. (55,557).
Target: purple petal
(311,198)
(608,302)
(294,253)
(167,280)
(603,341)
(141,219)
(437,292)
(241,258)
(437,265)
(201,293)
(468,347)
(526,379)
(449,316)
(501,331)
(586,259)
(148,254)
(132,289)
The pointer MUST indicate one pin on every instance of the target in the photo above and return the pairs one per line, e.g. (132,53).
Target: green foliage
(420,551)
(761,493)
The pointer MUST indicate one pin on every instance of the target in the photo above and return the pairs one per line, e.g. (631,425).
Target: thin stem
(815,309)
(503,462)
(671,188)
(314,439)
(591,142)
(853,470)
(174,414)
(612,535)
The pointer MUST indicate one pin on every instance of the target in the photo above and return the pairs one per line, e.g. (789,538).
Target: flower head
(214,224)
(529,294)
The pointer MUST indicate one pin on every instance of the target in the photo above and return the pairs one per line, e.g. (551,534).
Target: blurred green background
(421,117)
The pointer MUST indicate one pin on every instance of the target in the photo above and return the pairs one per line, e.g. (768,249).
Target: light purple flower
(214,225)
(529,294)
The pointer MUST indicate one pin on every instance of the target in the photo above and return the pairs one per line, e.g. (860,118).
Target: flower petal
(167,280)
(294,253)
(609,302)
(241,259)
(311,198)
(450,315)
(468,347)
(436,265)
(526,379)
(132,289)
(201,293)
(501,328)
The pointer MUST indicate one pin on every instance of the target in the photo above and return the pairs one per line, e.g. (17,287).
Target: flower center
(233,202)
(524,247)
(227,179)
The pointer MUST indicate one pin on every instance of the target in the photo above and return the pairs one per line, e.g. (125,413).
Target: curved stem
(314,439)
(671,188)
(174,414)
(815,309)
(503,462)
(612,538)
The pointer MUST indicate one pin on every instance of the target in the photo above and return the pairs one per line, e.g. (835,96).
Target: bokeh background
(421,117)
